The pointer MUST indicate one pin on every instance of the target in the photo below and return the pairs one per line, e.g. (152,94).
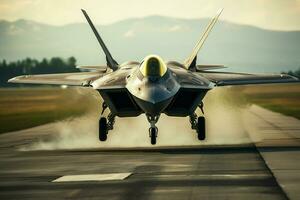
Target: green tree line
(48,66)
(33,66)
(295,73)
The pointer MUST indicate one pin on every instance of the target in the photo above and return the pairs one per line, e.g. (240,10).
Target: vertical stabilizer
(191,60)
(110,61)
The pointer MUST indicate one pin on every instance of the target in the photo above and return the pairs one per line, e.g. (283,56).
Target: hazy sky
(270,14)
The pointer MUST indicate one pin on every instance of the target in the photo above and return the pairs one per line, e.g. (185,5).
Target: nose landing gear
(153,134)
(153,130)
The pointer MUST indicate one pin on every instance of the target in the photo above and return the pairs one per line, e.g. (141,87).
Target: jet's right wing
(231,78)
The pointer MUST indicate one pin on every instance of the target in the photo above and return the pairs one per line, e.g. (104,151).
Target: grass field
(27,107)
(282,98)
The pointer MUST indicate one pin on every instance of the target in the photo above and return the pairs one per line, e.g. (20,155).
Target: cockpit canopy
(153,66)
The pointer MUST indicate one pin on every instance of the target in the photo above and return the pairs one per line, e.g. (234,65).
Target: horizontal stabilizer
(102,69)
(209,67)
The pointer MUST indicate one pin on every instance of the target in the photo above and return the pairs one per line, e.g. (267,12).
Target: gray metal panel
(189,79)
(116,79)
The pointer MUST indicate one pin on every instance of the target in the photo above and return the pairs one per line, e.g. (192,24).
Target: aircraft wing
(75,79)
(230,78)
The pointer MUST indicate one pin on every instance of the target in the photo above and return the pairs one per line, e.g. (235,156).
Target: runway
(265,169)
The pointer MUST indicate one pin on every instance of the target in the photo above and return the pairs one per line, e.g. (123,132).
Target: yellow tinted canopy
(153,66)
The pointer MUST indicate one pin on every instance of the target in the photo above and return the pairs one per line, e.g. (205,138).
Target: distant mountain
(242,48)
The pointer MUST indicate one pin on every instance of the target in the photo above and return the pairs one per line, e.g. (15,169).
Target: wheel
(153,135)
(102,129)
(201,128)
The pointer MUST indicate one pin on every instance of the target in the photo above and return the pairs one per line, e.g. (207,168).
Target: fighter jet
(153,86)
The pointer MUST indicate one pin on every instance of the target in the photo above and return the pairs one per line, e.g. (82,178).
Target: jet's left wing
(230,78)
(75,79)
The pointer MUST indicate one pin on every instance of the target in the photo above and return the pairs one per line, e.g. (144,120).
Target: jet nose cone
(154,98)
(154,94)
(153,101)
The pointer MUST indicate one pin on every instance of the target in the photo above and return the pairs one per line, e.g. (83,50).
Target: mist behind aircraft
(221,108)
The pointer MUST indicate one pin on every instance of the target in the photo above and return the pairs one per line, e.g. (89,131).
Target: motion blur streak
(224,125)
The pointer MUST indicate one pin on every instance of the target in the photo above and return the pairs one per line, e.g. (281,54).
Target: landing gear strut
(198,124)
(153,130)
(111,121)
(105,124)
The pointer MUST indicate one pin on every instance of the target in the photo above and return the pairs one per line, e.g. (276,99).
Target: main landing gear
(103,129)
(105,124)
(153,130)
(198,123)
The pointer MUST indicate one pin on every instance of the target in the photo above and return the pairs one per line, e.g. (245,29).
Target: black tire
(153,134)
(201,128)
(102,129)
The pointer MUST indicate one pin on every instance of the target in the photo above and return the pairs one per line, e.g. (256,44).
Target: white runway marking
(93,177)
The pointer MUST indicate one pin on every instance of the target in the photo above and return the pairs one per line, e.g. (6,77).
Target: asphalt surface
(246,171)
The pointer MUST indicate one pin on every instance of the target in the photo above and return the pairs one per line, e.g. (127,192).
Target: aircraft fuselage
(177,92)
